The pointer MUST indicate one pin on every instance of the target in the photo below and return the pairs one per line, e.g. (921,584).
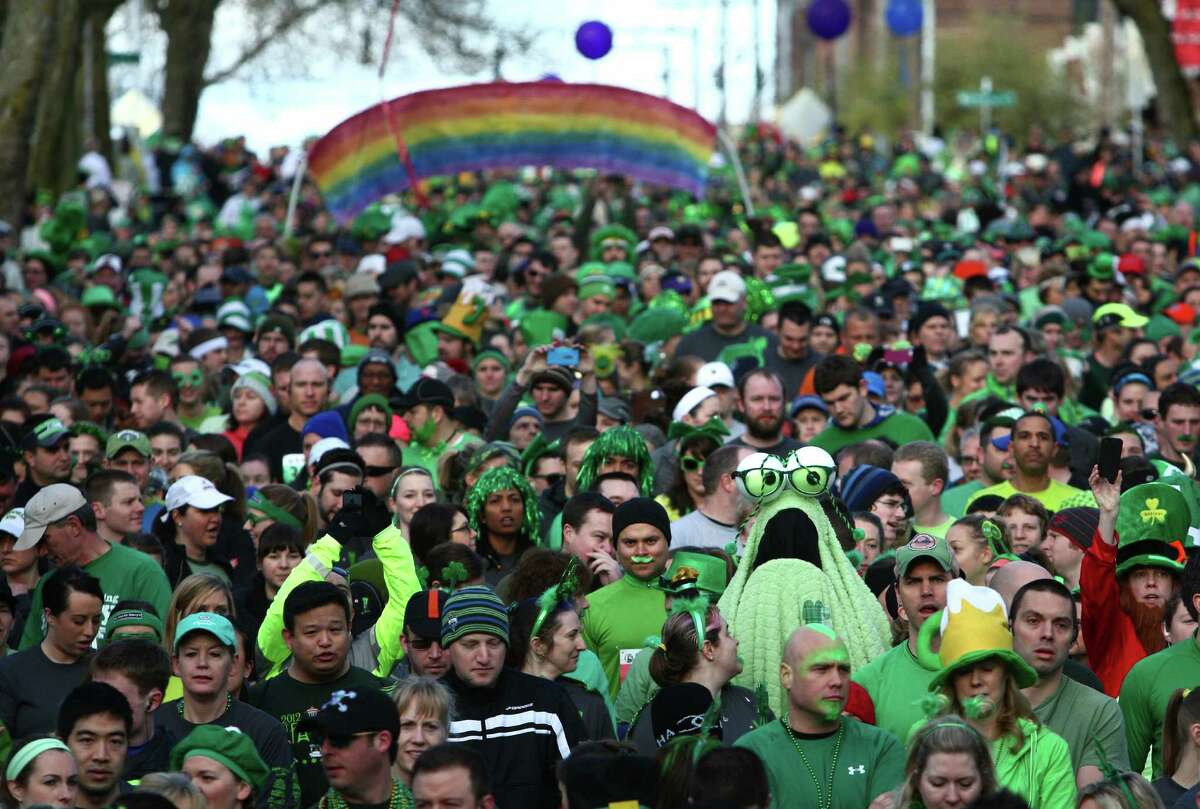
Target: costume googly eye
(760,475)
(811,470)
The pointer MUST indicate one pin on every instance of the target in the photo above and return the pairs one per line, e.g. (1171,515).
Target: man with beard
(995,464)
(896,681)
(1150,683)
(728,326)
(276,335)
(839,382)
(384,327)
(1043,622)
(760,401)
(1129,573)
(1033,444)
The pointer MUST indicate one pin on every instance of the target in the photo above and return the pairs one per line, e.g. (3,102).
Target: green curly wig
(497,480)
(623,441)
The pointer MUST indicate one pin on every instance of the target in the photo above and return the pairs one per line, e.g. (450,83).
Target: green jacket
(399,573)
(1040,772)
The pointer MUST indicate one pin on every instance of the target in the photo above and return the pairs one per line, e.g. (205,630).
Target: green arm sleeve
(1139,727)
(400,575)
(317,562)
(32,634)
(637,689)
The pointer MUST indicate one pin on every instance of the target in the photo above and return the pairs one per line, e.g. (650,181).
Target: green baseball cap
(127,439)
(923,546)
(216,625)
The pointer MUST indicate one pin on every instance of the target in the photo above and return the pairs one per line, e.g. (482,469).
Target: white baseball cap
(690,401)
(728,286)
(53,503)
(323,446)
(13,522)
(189,490)
(712,374)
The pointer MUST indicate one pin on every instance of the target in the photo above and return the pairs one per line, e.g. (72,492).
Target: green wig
(622,441)
(498,480)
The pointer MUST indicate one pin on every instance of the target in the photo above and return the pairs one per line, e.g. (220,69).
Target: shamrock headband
(561,593)
(713,429)
(260,503)
(994,537)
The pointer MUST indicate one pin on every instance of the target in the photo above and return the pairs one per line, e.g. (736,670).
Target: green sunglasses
(188,380)
(691,463)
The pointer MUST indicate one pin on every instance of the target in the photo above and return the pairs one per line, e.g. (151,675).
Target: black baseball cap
(427,391)
(423,614)
(361,709)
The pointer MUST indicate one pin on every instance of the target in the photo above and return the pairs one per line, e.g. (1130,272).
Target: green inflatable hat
(1152,527)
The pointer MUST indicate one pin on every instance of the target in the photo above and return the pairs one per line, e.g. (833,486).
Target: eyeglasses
(461,528)
(320,253)
(420,644)
(378,471)
(691,463)
(341,740)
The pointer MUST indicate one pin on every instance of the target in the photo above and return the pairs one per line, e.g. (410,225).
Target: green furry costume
(765,603)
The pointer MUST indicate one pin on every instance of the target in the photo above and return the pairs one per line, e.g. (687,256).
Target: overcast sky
(333,86)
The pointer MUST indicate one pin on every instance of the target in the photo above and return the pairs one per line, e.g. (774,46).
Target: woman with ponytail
(980,678)
(977,541)
(694,662)
(274,504)
(1181,745)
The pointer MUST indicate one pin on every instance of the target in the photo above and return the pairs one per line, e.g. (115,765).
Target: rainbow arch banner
(391,146)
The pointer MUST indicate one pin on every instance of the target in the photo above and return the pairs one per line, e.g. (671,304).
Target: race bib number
(626,656)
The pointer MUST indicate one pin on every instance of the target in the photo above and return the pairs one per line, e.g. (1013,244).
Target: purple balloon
(828,19)
(593,39)
(904,17)
(550,77)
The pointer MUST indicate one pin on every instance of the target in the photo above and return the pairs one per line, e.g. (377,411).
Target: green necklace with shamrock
(401,798)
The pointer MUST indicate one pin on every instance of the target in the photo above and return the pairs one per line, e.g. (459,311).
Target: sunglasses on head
(691,463)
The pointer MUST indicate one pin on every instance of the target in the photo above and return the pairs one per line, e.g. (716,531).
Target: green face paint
(836,656)
(824,630)
(641,560)
(1187,438)
(425,432)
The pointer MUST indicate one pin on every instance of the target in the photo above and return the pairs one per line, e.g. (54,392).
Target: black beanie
(641,510)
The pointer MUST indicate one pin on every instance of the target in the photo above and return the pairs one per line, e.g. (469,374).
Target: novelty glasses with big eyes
(810,471)
(191,379)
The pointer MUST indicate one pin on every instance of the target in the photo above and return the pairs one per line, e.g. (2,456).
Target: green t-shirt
(1144,695)
(938,530)
(209,568)
(617,622)
(870,762)
(900,428)
(1040,772)
(1052,497)
(124,574)
(290,701)
(209,411)
(954,501)
(1081,715)
(896,683)
(428,457)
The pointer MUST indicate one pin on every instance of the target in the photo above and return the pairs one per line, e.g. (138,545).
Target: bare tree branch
(288,19)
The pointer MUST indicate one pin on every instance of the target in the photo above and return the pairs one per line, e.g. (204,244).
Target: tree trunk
(24,50)
(54,150)
(1172,97)
(188,25)
(96,53)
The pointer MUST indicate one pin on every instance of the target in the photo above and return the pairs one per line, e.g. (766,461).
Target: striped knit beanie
(863,486)
(473,609)
(259,384)
(1076,524)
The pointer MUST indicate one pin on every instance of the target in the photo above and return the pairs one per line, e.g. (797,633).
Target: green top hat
(690,571)
(1152,525)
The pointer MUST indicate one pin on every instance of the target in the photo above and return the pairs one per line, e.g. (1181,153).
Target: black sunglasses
(340,740)
(378,471)
(552,478)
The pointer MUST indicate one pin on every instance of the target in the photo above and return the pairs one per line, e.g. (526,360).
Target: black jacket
(175,562)
(523,726)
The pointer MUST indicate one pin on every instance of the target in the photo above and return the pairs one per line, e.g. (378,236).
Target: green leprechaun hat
(1152,524)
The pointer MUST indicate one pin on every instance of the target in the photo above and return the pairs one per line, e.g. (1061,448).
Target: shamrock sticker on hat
(1152,513)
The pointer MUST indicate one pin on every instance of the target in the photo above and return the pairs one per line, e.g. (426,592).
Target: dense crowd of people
(555,489)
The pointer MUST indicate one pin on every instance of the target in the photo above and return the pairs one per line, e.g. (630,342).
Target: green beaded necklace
(401,798)
(824,797)
(228,702)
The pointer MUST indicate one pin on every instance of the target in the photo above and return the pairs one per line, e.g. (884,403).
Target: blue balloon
(828,19)
(904,17)
(593,39)
(550,77)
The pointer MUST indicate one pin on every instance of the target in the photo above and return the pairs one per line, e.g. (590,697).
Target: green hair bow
(562,592)
(697,607)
